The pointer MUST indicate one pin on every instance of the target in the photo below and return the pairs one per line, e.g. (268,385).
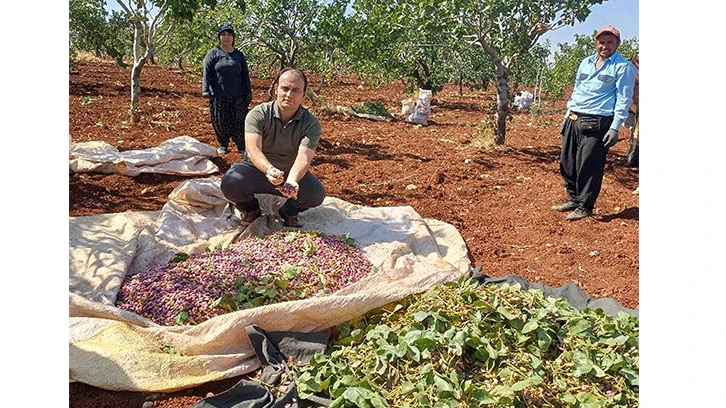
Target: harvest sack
(115,349)
(422,108)
(523,100)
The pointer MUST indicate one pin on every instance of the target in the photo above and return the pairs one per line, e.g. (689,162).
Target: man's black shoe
(568,206)
(579,214)
(250,215)
(289,220)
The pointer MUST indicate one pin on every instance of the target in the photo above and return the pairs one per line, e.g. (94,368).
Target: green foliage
(405,39)
(179,257)
(372,108)
(282,28)
(629,48)
(463,345)
(92,29)
(187,46)
(328,42)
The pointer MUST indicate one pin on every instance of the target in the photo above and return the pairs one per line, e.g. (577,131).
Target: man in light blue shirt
(596,109)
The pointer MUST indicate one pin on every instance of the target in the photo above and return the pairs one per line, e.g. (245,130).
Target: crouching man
(280,137)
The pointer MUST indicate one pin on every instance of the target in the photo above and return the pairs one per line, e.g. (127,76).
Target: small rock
(411,187)
(467,161)
(147,404)
(594,253)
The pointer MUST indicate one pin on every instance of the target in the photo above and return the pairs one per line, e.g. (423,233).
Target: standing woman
(226,82)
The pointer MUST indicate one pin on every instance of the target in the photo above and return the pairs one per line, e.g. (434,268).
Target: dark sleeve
(246,84)
(207,71)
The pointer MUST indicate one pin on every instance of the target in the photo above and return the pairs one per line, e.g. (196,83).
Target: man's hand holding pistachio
(275,175)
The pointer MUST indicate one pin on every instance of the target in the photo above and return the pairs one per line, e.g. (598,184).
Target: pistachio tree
(406,39)
(92,29)
(508,29)
(282,29)
(153,21)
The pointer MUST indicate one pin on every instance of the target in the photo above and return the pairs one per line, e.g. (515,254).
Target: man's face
(290,91)
(606,44)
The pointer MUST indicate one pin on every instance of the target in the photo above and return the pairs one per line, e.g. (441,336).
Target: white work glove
(611,137)
(289,189)
(274,175)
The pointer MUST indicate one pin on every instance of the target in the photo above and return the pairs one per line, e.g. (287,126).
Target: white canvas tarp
(180,155)
(117,350)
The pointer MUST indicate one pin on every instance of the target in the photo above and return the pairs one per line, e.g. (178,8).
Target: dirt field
(498,198)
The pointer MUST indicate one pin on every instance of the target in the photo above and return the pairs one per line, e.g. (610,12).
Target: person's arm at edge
(624,95)
(207,74)
(246,82)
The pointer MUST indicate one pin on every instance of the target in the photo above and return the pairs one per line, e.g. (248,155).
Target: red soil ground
(498,197)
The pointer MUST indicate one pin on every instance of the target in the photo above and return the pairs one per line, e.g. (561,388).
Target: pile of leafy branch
(254,272)
(373,108)
(462,344)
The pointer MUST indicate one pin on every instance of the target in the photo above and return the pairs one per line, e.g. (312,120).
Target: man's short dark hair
(286,69)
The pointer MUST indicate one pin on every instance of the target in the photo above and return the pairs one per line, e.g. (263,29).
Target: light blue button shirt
(607,91)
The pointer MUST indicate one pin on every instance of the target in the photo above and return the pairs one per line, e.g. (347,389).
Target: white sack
(421,109)
(523,100)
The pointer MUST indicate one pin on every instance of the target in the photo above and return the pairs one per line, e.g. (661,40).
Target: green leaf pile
(372,108)
(462,344)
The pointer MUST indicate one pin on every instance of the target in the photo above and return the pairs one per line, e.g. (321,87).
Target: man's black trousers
(582,160)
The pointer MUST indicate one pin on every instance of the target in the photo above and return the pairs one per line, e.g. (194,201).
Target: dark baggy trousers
(582,160)
(227,114)
(243,180)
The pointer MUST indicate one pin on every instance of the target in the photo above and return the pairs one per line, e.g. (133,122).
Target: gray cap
(225,27)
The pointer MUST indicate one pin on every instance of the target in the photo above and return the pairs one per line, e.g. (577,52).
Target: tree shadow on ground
(165,93)
(84,89)
(468,107)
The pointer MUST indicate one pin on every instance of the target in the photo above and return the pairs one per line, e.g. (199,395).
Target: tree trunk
(271,92)
(312,95)
(461,84)
(120,62)
(136,90)
(502,102)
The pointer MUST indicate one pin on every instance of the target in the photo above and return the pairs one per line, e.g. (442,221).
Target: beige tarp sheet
(180,155)
(117,350)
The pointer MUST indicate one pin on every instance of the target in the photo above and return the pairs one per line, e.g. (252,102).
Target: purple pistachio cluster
(278,267)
